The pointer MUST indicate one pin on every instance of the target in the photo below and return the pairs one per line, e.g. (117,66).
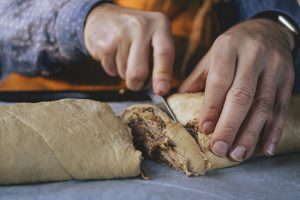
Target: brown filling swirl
(149,133)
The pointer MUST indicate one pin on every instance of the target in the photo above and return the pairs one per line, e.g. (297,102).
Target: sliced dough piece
(186,108)
(66,139)
(163,140)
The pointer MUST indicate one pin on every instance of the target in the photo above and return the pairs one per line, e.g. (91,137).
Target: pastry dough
(163,140)
(66,139)
(154,134)
(186,108)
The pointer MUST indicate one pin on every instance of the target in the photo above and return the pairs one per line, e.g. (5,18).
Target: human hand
(125,41)
(248,77)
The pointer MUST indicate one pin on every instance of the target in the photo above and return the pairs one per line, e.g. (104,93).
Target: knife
(160,102)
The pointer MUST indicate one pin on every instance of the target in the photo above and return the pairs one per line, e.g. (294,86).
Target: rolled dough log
(163,140)
(66,139)
(187,149)
(186,108)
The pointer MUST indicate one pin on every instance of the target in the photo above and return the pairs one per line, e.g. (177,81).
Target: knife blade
(160,102)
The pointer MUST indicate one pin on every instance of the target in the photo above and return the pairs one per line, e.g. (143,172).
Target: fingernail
(137,85)
(113,72)
(208,127)
(238,153)
(220,148)
(271,149)
(162,87)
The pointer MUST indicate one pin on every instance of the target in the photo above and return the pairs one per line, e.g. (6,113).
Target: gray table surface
(261,178)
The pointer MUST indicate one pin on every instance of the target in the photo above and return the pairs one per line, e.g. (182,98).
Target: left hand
(127,41)
(248,77)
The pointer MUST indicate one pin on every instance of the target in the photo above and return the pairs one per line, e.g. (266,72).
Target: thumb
(197,79)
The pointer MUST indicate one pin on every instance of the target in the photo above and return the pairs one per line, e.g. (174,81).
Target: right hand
(248,77)
(125,40)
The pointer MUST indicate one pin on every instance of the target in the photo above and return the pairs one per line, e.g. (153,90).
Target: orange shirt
(195,25)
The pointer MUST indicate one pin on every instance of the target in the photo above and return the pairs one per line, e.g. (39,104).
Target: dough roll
(191,153)
(66,139)
(186,108)
(163,140)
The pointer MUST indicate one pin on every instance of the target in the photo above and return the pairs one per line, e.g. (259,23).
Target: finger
(237,104)
(163,55)
(138,63)
(222,67)
(197,79)
(261,110)
(122,57)
(275,125)
(108,62)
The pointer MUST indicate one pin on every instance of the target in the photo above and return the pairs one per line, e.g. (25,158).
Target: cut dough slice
(163,140)
(186,108)
(66,139)
(182,146)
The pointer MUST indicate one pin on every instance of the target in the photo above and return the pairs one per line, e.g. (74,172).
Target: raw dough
(186,108)
(154,134)
(163,140)
(66,139)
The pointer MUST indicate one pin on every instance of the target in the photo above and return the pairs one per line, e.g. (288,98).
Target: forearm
(39,37)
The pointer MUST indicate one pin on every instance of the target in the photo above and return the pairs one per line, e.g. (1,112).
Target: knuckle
(140,22)
(167,51)
(249,77)
(220,78)
(275,54)
(264,104)
(256,44)
(213,110)
(119,36)
(252,135)
(276,58)
(282,108)
(256,48)
(161,17)
(229,129)
(225,40)
(241,95)
(106,50)
(218,84)
(104,40)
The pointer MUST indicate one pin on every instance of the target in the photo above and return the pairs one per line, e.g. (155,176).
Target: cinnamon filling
(149,133)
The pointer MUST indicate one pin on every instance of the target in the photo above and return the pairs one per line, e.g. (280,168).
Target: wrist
(290,35)
(69,27)
(278,28)
(285,24)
